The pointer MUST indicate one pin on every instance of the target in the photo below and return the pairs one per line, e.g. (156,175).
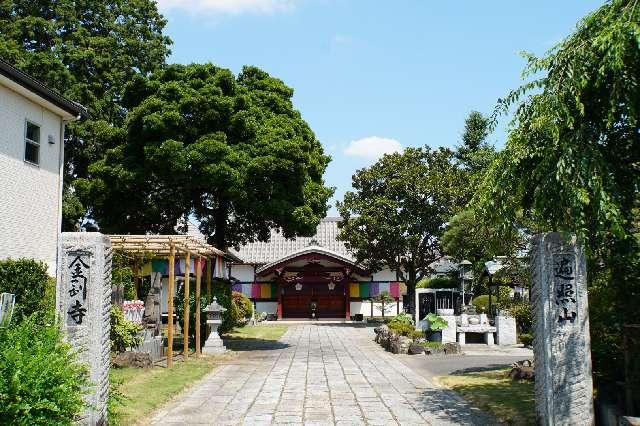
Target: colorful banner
(160,265)
(354,290)
(257,290)
(374,289)
(364,290)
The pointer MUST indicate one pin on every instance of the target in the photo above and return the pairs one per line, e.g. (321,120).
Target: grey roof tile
(278,246)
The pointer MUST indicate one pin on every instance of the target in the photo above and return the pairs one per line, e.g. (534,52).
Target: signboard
(78,276)
(564,287)
(7,302)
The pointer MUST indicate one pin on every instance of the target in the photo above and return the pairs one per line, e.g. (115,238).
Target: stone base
(506,330)
(213,345)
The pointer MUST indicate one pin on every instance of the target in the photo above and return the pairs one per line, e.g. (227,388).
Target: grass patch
(138,392)
(432,345)
(510,401)
(264,332)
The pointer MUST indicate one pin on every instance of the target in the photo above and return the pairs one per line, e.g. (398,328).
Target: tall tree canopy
(465,236)
(398,210)
(86,50)
(475,154)
(571,162)
(232,151)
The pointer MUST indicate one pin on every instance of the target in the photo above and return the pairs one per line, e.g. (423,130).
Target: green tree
(475,154)
(465,236)
(87,51)
(398,210)
(232,151)
(571,159)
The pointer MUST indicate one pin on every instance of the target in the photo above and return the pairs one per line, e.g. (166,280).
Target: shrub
(222,291)
(402,328)
(41,381)
(28,280)
(481,303)
(416,334)
(521,311)
(436,322)
(124,333)
(433,345)
(402,318)
(243,305)
(525,338)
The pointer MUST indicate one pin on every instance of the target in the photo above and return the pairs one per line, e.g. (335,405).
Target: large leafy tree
(86,50)
(398,210)
(232,151)
(571,160)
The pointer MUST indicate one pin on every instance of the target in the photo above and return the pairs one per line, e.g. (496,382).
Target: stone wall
(563,384)
(83,301)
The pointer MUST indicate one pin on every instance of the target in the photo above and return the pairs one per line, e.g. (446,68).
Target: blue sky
(375,76)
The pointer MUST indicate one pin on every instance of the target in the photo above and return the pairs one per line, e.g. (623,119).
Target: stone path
(319,375)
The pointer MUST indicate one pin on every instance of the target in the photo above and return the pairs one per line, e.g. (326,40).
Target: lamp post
(465,267)
(214,313)
(491,267)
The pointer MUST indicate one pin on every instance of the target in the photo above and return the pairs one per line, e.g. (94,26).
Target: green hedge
(40,379)
(481,303)
(28,280)
(439,282)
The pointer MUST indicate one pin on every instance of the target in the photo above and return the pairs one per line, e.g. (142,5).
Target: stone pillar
(488,338)
(505,329)
(562,348)
(450,331)
(83,303)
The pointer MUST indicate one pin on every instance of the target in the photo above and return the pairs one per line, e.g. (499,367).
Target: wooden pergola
(170,246)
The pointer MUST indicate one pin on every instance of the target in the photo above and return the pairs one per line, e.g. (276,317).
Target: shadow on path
(241,344)
(478,369)
(439,403)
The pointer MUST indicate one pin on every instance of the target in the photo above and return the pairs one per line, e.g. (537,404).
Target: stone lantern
(214,343)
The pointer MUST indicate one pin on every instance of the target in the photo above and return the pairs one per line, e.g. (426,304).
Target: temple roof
(312,249)
(279,247)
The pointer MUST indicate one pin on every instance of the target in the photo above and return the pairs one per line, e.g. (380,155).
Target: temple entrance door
(297,303)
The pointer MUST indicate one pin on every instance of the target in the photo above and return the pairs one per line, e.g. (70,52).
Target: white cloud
(227,6)
(372,148)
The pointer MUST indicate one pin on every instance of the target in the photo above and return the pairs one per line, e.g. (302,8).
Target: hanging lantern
(331,286)
(298,286)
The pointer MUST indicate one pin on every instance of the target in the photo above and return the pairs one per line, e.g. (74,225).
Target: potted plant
(436,325)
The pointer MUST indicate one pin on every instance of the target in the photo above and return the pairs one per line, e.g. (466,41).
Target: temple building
(293,278)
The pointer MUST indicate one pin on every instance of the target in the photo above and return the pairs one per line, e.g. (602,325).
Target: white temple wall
(243,273)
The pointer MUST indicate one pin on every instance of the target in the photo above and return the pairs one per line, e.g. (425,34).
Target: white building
(286,277)
(32,119)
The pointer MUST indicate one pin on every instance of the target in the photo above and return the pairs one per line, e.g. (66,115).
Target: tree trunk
(220,216)
(411,290)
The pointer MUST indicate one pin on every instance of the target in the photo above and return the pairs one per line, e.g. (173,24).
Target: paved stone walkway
(318,375)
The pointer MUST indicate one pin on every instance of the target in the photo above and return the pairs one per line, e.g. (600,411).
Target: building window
(32,143)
